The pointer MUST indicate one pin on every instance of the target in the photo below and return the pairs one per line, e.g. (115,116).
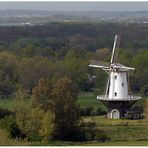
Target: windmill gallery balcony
(130,98)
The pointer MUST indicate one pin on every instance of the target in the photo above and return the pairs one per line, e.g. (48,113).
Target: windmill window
(122,84)
(115,77)
(115,94)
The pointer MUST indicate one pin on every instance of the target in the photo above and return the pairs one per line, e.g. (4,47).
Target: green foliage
(123,56)
(8,75)
(41,94)
(101,81)
(5,112)
(101,54)
(33,69)
(146,112)
(5,139)
(47,126)
(66,50)
(34,122)
(144,90)
(9,124)
(87,111)
(60,99)
(22,110)
(140,62)
(91,132)
(65,108)
(76,69)
(36,125)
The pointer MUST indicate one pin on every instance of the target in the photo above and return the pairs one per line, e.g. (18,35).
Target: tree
(146,112)
(34,122)
(22,110)
(101,80)
(124,57)
(81,42)
(76,69)
(140,62)
(41,94)
(33,69)
(8,75)
(101,54)
(144,90)
(47,126)
(65,108)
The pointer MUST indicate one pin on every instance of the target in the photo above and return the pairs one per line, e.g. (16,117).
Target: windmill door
(115,114)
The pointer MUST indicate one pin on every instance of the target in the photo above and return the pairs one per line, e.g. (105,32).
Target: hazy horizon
(75,6)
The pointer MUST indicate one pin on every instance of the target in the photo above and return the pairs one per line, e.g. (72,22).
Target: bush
(90,132)
(5,139)
(9,124)
(89,111)
(144,90)
(101,136)
(86,111)
(5,112)
(100,111)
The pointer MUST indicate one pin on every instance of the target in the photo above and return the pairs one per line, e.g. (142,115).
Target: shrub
(101,136)
(5,140)
(86,111)
(144,90)
(100,111)
(90,132)
(9,124)
(89,111)
(5,112)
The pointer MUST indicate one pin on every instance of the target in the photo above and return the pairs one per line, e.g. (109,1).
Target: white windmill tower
(116,98)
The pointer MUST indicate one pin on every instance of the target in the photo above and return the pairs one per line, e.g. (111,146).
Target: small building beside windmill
(117,98)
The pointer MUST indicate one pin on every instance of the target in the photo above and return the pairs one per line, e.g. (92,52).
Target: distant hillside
(35,17)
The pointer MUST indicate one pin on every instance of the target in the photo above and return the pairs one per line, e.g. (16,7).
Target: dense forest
(58,49)
(49,64)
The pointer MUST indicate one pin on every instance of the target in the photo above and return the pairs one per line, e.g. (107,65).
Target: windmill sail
(98,64)
(113,52)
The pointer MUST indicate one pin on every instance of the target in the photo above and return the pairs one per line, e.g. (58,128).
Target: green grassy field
(121,129)
(83,100)
(90,101)
(10,103)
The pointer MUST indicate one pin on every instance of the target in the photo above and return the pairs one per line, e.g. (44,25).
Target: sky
(76,6)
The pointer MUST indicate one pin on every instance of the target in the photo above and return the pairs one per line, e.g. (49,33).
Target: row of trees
(27,71)
(89,35)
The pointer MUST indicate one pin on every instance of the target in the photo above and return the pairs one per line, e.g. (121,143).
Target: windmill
(117,98)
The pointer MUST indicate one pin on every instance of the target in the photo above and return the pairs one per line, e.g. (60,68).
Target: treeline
(28,71)
(92,35)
